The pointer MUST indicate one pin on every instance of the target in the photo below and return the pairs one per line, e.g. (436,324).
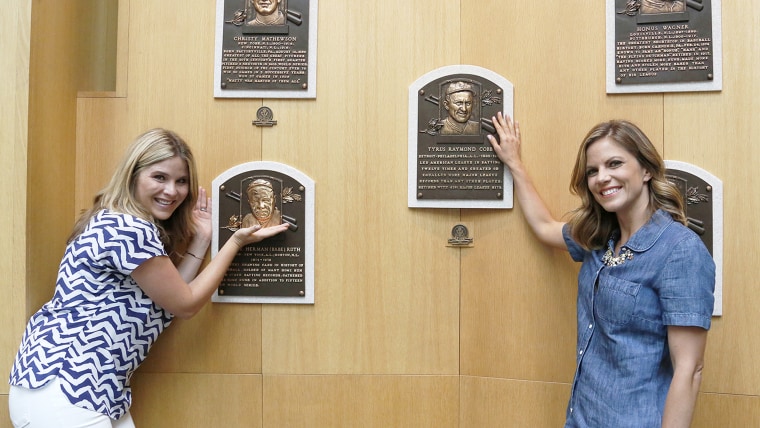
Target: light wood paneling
(361,401)
(4,413)
(491,402)
(727,411)
(184,400)
(54,64)
(720,133)
(15,28)
(386,285)
(220,339)
(102,138)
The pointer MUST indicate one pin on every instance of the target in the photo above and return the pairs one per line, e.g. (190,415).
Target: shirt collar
(646,237)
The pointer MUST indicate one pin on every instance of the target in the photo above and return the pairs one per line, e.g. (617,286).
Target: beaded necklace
(609,260)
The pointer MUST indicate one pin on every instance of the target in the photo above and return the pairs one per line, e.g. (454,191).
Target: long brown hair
(151,147)
(591,225)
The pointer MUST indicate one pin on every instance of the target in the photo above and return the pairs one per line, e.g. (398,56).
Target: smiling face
(459,105)
(616,179)
(162,187)
(265,7)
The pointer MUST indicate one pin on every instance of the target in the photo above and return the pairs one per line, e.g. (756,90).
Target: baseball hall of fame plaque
(266,49)
(703,199)
(279,269)
(663,46)
(451,161)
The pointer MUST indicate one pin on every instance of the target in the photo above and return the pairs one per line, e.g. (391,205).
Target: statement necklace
(609,260)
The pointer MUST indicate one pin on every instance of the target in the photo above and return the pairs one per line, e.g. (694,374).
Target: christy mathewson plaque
(279,269)
(451,161)
(663,46)
(266,49)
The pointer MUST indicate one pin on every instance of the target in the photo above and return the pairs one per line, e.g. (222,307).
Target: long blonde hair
(151,147)
(591,225)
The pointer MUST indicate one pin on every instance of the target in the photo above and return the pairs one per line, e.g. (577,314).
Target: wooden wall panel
(720,133)
(196,400)
(55,61)
(492,402)
(386,285)
(15,28)
(361,401)
(4,412)
(727,411)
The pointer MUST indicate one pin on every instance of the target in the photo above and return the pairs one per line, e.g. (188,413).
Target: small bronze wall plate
(461,236)
(264,117)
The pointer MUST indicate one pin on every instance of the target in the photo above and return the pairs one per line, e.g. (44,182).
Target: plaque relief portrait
(458,101)
(263,204)
(662,6)
(266,12)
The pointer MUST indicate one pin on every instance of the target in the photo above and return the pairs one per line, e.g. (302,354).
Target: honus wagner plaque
(663,45)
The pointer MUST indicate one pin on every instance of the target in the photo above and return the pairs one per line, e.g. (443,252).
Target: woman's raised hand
(202,215)
(507,147)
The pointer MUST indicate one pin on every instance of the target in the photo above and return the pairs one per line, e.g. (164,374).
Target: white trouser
(48,407)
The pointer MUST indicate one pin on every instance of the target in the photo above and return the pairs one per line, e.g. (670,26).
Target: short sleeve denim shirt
(623,367)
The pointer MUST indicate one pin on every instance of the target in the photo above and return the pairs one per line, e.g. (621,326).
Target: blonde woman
(129,268)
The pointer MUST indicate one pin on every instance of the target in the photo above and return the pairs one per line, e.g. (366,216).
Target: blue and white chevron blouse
(99,325)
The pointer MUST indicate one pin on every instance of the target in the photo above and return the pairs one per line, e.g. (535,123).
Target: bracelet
(193,255)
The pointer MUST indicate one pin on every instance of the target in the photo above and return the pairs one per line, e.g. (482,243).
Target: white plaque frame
(308,225)
(309,92)
(412,134)
(716,84)
(717,223)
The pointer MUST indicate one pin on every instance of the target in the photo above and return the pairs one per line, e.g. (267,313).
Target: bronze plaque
(280,266)
(703,197)
(453,159)
(664,42)
(266,49)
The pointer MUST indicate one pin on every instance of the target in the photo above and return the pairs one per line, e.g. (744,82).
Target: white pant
(48,407)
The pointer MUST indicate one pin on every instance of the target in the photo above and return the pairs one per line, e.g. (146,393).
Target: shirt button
(581,352)
(591,326)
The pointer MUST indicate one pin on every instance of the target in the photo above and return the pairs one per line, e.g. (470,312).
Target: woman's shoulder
(116,218)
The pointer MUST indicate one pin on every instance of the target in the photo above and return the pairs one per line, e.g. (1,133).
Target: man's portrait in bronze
(459,99)
(663,6)
(263,203)
(266,12)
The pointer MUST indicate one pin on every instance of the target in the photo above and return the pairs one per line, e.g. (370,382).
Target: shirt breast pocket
(615,300)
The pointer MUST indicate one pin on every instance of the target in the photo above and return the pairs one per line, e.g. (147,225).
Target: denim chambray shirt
(623,367)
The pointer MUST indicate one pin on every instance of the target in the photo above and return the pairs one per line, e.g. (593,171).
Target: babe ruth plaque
(265,49)
(663,45)
(279,269)
(451,161)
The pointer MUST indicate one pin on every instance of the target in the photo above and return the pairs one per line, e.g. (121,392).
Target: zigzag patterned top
(99,325)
